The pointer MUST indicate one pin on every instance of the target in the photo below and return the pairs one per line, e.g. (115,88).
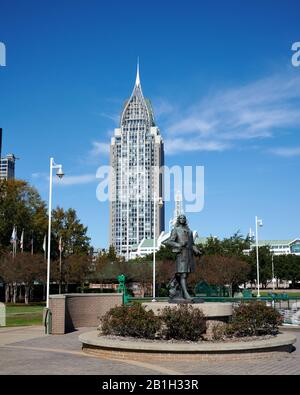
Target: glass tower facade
(136,181)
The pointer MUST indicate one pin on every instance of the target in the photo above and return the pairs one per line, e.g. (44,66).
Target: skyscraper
(136,158)
(7,164)
(7,167)
(0,142)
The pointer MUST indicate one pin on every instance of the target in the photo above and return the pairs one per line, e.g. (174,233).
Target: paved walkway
(28,350)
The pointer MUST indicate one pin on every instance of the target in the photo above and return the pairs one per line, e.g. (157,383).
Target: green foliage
(183,323)
(165,253)
(254,319)
(287,267)
(65,224)
(22,206)
(232,246)
(132,321)
(265,265)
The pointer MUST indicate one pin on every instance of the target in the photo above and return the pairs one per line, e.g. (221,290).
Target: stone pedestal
(214,312)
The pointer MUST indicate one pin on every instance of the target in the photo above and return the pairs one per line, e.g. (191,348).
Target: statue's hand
(197,251)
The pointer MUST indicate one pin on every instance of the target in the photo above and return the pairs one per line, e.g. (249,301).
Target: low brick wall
(141,350)
(73,311)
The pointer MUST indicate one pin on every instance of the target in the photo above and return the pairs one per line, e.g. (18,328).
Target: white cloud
(99,148)
(75,180)
(225,119)
(193,144)
(38,175)
(286,152)
(113,117)
(162,107)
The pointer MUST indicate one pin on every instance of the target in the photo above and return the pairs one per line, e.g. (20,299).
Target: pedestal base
(214,313)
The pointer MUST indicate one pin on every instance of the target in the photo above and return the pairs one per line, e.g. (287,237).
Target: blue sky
(220,78)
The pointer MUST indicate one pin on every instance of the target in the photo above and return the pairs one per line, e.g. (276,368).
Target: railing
(276,298)
(289,307)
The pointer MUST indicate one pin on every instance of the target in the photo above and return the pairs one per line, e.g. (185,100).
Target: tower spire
(138,81)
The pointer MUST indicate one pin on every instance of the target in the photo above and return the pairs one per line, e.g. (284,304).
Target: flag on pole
(13,241)
(22,241)
(13,238)
(44,243)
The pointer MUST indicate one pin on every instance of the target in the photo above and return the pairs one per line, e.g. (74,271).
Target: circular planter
(140,350)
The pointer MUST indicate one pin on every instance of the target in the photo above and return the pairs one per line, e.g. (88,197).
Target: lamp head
(60,172)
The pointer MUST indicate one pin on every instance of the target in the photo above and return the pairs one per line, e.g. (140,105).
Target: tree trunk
(31,293)
(20,294)
(7,293)
(15,291)
(27,293)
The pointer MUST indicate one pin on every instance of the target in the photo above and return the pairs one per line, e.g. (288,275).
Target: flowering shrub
(132,321)
(183,322)
(254,319)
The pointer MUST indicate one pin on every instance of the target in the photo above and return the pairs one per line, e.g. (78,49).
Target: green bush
(183,322)
(254,319)
(132,321)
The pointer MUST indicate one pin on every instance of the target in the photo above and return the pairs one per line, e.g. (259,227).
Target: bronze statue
(182,242)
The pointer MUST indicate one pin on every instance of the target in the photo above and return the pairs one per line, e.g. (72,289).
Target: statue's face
(182,219)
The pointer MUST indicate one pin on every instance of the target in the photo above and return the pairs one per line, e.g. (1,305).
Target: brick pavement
(29,351)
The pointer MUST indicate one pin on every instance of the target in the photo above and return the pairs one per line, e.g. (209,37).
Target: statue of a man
(182,243)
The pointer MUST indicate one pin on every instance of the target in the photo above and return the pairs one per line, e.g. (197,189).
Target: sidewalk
(9,335)
(27,350)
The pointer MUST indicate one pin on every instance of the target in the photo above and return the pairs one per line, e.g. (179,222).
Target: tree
(221,270)
(287,267)
(21,206)
(65,224)
(76,269)
(22,270)
(232,246)
(165,253)
(265,265)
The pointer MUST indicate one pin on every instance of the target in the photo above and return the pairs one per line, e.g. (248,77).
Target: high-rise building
(136,182)
(0,143)
(7,167)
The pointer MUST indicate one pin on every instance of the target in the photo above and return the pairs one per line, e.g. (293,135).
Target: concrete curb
(92,340)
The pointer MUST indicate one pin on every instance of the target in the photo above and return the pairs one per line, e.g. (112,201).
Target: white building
(281,247)
(136,157)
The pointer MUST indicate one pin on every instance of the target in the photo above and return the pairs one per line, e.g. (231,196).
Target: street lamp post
(258,222)
(60,174)
(273,273)
(156,200)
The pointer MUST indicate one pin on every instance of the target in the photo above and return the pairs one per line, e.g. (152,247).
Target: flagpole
(60,248)
(31,243)
(49,232)
(15,242)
